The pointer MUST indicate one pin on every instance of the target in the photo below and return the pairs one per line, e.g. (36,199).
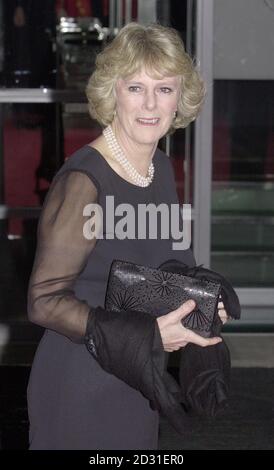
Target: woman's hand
(222,313)
(175,335)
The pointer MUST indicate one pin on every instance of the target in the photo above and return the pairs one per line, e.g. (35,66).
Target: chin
(151,141)
(149,136)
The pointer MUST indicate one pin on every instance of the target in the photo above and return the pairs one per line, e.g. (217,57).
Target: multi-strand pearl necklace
(119,155)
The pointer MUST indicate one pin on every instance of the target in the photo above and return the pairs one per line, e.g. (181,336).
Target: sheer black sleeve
(61,255)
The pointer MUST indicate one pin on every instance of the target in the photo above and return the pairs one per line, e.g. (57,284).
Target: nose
(150,100)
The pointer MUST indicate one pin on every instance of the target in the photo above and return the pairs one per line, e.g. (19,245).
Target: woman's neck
(139,155)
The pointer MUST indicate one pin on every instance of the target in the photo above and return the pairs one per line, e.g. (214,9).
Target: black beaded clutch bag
(157,292)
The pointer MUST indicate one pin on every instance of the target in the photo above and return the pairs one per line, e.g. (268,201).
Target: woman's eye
(166,89)
(134,88)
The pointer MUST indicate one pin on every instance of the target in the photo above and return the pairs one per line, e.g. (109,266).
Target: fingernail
(190,303)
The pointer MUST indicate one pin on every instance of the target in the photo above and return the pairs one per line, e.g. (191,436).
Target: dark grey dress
(73,403)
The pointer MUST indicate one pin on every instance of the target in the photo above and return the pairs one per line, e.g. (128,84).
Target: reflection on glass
(29,32)
(243,182)
(51,43)
(38,137)
(79,40)
(33,152)
(174,13)
(78,127)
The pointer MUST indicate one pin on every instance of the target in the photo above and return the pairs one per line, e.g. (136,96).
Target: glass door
(44,48)
(235,140)
(47,52)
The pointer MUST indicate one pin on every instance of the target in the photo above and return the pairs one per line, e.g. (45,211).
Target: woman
(144,86)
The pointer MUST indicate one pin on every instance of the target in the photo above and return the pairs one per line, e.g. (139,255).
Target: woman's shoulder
(85,160)
(85,157)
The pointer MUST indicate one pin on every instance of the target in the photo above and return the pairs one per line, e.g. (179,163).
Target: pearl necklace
(119,155)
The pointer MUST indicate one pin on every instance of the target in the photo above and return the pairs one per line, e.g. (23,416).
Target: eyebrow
(161,82)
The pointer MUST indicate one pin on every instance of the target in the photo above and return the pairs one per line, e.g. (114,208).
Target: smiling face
(145,107)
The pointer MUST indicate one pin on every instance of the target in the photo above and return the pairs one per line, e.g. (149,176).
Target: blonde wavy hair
(161,52)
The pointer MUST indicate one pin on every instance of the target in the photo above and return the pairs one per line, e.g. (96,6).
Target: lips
(148,121)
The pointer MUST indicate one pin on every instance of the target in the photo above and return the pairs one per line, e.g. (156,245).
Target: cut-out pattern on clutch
(135,287)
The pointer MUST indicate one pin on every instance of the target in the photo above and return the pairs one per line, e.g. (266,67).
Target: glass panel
(29,35)
(49,44)
(243,181)
(78,127)
(29,161)
(38,137)
(243,143)
(32,151)
(180,15)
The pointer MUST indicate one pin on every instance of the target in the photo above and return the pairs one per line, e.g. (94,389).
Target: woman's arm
(62,253)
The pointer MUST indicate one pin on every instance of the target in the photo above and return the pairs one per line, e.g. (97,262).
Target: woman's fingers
(200,340)
(223,315)
(175,335)
(176,316)
(196,339)
(222,312)
(183,310)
